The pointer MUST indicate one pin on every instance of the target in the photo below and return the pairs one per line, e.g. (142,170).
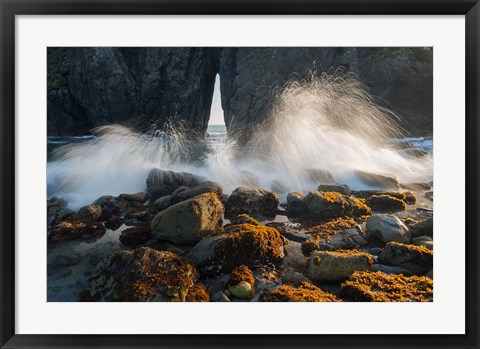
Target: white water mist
(329,123)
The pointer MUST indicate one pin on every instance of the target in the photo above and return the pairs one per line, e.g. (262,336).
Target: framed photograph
(232,174)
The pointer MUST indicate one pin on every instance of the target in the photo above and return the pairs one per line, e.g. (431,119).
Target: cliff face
(142,87)
(146,87)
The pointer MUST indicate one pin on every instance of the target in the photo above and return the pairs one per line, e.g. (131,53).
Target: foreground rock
(252,200)
(142,275)
(188,221)
(378,180)
(241,283)
(387,228)
(198,293)
(417,259)
(298,292)
(385,203)
(339,234)
(234,245)
(332,204)
(76,230)
(337,265)
(162,182)
(379,287)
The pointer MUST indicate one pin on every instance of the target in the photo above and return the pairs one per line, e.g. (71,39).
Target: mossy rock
(298,292)
(198,293)
(417,259)
(76,230)
(333,204)
(385,203)
(380,287)
(234,245)
(141,275)
(331,266)
(337,234)
(187,222)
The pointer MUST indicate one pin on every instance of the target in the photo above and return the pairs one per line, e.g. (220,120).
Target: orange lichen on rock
(141,275)
(298,292)
(198,293)
(235,245)
(323,233)
(366,286)
(417,259)
(241,273)
(333,204)
(386,203)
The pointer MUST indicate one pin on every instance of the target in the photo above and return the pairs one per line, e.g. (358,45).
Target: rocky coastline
(184,239)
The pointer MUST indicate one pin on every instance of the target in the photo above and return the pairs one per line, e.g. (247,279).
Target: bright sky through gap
(216,113)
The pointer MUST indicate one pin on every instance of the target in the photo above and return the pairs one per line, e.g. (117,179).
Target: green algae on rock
(142,275)
(298,292)
(379,287)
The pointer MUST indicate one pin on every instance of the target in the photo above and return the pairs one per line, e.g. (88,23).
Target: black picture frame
(10,8)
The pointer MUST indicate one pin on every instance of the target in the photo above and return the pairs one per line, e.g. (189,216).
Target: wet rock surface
(141,275)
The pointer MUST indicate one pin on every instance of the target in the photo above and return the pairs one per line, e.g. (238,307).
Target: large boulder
(333,204)
(298,292)
(339,234)
(137,235)
(141,275)
(252,200)
(329,266)
(380,287)
(417,259)
(387,228)
(234,245)
(187,222)
(162,182)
